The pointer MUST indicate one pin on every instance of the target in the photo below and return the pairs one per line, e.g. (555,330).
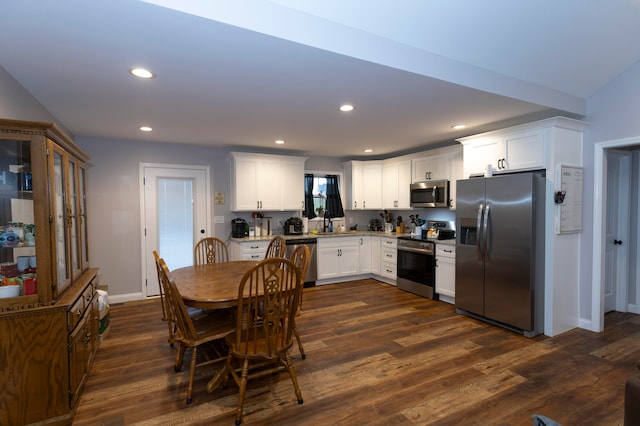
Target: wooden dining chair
(167,311)
(192,332)
(268,301)
(276,248)
(300,257)
(210,250)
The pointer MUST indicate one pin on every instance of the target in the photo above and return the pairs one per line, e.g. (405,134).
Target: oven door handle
(416,250)
(479,233)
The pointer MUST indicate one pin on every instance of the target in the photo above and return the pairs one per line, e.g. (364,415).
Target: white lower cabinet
(249,250)
(388,259)
(446,272)
(365,255)
(375,255)
(338,257)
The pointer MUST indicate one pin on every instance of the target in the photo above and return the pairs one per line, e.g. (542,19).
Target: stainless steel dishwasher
(312,272)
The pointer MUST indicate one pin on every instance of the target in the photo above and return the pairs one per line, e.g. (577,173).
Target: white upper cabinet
(266,182)
(511,151)
(292,183)
(456,166)
(432,167)
(396,178)
(443,165)
(524,150)
(364,185)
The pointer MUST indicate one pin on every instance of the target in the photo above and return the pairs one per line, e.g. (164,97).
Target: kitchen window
(322,194)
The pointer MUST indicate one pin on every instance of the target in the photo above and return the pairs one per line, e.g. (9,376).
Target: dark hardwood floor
(376,355)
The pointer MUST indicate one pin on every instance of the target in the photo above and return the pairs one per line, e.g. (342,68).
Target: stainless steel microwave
(431,193)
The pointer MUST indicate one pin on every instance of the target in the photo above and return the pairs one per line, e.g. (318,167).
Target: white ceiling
(242,74)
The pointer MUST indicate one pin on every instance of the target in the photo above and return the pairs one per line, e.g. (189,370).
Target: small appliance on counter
(239,228)
(293,226)
(439,230)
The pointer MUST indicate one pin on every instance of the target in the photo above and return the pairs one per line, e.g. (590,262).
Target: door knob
(617,242)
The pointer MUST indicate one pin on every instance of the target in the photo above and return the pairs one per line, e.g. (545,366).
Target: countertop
(337,234)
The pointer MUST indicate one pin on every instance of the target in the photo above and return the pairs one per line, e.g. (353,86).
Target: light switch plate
(218,219)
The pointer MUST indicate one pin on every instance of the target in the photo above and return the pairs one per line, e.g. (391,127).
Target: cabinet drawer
(389,255)
(254,247)
(389,269)
(443,250)
(81,304)
(389,243)
(338,242)
(74,314)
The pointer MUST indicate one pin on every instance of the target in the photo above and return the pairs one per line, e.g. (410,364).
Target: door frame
(207,188)
(621,219)
(599,228)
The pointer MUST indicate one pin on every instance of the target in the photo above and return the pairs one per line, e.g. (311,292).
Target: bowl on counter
(9,291)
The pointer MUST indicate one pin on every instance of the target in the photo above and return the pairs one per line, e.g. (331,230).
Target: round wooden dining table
(211,286)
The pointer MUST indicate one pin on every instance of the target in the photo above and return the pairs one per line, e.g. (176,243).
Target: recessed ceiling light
(279,142)
(145,128)
(459,126)
(141,73)
(346,108)
(368,150)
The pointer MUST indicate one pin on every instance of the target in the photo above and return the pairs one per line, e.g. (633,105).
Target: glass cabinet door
(74,239)
(82,215)
(17,236)
(61,219)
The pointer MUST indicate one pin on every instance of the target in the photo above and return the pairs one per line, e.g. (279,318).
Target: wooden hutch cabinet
(49,332)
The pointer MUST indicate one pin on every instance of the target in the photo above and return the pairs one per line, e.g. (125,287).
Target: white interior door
(617,230)
(176,209)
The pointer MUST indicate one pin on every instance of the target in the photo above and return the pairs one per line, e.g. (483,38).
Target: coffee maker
(239,228)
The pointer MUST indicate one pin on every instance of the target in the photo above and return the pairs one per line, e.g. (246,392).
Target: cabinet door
(396,178)
(245,190)
(524,150)
(390,183)
(480,153)
(269,184)
(433,167)
(79,341)
(365,255)
(61,220)
(327,262)
(404,181)
(82,215)
(292,184)
(375,255)
(357,194)
(348,260)
(457,172)
(372,186)
(446,276)
(75,250)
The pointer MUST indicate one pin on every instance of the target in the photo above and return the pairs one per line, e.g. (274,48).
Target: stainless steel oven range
(417,267)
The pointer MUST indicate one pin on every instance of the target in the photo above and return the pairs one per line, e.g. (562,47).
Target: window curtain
(308,196)
(334,203)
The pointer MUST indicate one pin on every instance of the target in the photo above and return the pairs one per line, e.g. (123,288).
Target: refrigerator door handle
(479,232)
(485,233)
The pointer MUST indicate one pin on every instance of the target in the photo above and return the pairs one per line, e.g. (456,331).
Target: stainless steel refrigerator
(500,250)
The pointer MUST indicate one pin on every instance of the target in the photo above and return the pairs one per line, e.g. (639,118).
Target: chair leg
(243,389)
(295,331)
(192,373)
(179,357)
(288,363)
